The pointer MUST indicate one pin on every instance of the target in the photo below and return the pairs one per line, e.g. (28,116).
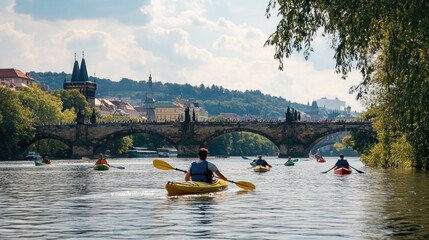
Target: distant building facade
(166,111)
(331,104)
(14,78)
(314,113)
(81,82)
(201,114)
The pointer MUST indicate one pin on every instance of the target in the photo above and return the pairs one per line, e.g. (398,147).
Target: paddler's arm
(220,175)
(187,176)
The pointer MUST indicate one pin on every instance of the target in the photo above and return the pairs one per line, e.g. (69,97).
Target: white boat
(140,152)
(167,152)
(33,156)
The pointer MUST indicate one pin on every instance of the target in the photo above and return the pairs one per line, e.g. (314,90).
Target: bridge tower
(81,82)
(149,102)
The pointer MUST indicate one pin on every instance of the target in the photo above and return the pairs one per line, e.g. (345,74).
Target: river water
(71,201)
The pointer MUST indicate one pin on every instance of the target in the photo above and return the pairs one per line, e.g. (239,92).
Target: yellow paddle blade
(162,165)
(245,185)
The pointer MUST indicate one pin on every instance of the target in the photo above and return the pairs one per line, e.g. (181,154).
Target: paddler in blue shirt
(202,170)
(342,162)
(262,162)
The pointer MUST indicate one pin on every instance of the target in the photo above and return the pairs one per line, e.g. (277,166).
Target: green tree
(16,123)
(388,42)
(45,107)
(73,100)
(121,146)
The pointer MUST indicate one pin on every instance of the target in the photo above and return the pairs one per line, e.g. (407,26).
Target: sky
(210,42)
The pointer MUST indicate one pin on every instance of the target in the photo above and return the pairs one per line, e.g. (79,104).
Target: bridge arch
(323,135)
(223,132)
(25,145)
(102,145)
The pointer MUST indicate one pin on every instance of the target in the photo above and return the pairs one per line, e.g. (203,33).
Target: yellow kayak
(260,168)
(195,187)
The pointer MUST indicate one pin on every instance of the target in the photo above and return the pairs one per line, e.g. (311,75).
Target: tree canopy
(388,42)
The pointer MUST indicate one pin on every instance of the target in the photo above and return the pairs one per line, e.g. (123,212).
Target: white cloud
(209,42)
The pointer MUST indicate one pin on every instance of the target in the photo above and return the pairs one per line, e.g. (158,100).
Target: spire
(150,81)
(83,74)
(75,74)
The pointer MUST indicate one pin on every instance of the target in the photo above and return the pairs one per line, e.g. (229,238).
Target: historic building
(81,82)
(331,104)
(14,78)
(166,111)
(314,113)
(149,103)
(197,111)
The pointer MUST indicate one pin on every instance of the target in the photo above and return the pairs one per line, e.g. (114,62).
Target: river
(71,201)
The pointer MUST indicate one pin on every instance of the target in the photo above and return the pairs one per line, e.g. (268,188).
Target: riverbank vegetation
(388,43)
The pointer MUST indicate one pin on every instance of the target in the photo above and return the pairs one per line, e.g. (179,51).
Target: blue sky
(196,42)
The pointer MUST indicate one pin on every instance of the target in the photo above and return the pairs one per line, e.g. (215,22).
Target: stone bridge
(293,139)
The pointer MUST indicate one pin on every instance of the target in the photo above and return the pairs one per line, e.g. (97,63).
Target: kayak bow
(101,167)
(260,168)
(343,171)
(174,188)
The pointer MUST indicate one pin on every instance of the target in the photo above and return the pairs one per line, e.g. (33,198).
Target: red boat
(321,159)
(343,171)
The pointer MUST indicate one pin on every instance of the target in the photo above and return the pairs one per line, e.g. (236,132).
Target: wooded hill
(215,99)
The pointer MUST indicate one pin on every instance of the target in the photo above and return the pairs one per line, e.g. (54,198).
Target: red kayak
(343,171)
(321,159)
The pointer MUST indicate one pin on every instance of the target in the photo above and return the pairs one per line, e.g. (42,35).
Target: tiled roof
(166,104)
(12,73)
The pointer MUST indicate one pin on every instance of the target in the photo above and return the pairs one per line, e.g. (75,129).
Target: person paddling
(262,162)
(289,160)
(101,160)
(202,170)
(46,160)
(342,162)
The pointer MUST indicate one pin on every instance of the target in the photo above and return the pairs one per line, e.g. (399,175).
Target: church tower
(81,82)
(149,102)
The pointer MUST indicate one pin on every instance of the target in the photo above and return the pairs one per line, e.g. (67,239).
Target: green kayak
(289,163)
(101,167)
(37,163)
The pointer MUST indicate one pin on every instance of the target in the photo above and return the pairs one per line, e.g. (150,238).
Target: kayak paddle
(89,160)
(359,171)
(329,169)
(162,165)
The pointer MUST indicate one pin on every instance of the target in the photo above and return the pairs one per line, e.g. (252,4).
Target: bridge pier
(80,151)
(187,151)
(291,150)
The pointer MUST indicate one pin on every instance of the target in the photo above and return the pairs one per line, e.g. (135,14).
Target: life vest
(261,162)
(101,161)
(342,163)
(201,172)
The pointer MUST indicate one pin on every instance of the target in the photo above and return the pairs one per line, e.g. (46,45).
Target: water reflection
(71,201)
(406,205)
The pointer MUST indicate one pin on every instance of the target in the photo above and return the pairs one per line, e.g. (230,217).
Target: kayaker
(46,160)
(202,170)
(342,162)
(262,162)
(289,160)
(101,160)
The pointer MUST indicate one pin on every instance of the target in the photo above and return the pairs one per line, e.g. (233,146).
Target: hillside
(215,99)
